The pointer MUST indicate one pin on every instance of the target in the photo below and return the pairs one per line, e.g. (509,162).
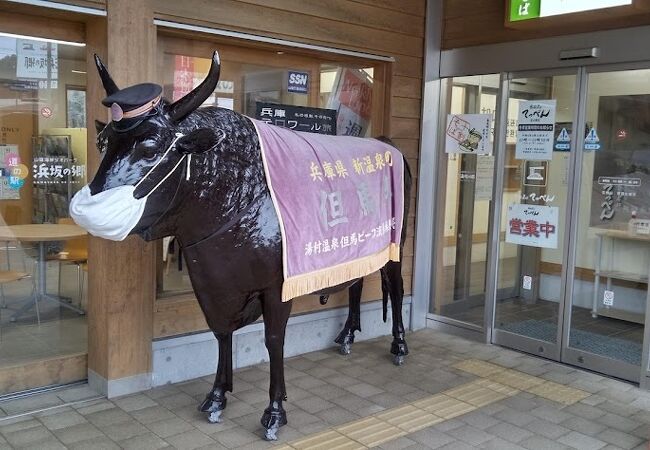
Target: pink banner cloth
(340,203)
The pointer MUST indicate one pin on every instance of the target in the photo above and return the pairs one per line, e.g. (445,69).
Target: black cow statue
(220,212)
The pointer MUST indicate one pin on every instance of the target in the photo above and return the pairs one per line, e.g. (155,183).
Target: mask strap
(166,176)
(171,146)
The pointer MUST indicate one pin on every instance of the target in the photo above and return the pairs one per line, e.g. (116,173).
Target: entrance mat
(608,346)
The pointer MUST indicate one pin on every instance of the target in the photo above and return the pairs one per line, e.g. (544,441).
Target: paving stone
(236,437)
(124,430)
(479,420)
(514,417)
(143,442)
(176,401)
(76,393)
(162,391)
(190,440)
(585,411)
(581,441)
(457,445)
(45,445)
(620,439)
(554,415)
(500,444)
(76,433)
(94,406)
(63,420)
(431,438)
(472,436)
(509,432)
(134,402)
(336,416)
(99,443)
(28,436)
(307,382)
(169,427)
(547,429)
(363,390)
(542,443)
(20,423)
(398,444)
(152,414)
(583,426)
(618,422)
(108,417)
(31,403)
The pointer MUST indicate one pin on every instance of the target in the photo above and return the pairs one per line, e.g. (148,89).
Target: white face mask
(113,213)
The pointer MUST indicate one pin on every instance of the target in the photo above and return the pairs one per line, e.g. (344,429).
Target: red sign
(356,94)
(183,76)
(46,112)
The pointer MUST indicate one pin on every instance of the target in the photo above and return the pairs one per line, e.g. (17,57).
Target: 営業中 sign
(532,225)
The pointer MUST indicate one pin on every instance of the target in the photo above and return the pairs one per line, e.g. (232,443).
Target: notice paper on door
(536,130)
(532,225)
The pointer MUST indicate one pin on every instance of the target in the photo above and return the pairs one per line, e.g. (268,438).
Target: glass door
(609,294)
(531,264)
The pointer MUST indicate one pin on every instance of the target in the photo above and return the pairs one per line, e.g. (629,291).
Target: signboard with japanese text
(534,9)
(484,177)
(532,225)
(298,82)
(352,100)
(535,130)
(11,169)
(468,133)
(37,59)
(298,118)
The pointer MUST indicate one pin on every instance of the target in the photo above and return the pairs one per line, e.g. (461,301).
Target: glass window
(285,89)
(462,243)
(42,165)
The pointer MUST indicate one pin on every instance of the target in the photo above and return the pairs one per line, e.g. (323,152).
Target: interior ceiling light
(78,71)
(34,38)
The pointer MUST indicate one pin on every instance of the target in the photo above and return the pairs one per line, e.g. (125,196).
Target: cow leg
(392,275)
(215,402)
(346,337)
(276,314)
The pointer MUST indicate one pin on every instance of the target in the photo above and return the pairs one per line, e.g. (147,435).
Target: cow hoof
(345,348)
(215,416)
(214,402)
(273,418)
(271,433)
(398,360)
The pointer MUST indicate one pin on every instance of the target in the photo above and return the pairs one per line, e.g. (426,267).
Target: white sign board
(535,130)
(36,59)
(532,225)
(468,133)
(556,7)
(484,177)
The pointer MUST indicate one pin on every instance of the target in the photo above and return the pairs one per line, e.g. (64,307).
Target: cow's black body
(226,224)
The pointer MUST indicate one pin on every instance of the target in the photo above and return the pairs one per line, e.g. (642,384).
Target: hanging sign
(534,9)
(298,82)
(468,133)
(592,142)
(299,118)
(532,225)
(535,130)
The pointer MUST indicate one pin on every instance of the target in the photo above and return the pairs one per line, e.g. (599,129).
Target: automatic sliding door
(612,255)
(528,307)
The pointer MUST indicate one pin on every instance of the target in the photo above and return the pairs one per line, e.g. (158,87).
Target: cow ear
(200,141)
(99,126)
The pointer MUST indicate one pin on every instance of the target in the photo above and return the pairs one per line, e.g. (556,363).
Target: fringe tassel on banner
(321,279)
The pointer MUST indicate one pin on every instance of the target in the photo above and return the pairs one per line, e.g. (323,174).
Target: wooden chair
(75,252)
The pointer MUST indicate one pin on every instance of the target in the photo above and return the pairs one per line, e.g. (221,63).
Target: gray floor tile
(189,440)
(77,433)
(581,441)
(509,432)
(620,439)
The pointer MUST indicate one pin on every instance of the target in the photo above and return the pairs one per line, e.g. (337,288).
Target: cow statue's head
(145,149)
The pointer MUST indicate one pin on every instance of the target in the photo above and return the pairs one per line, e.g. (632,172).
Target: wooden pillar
(121,274)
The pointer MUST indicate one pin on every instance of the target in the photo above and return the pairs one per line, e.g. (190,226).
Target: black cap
(133,101)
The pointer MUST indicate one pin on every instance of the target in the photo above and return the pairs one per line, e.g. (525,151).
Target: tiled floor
(451,393)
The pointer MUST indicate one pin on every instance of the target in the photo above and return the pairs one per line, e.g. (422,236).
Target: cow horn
(107,81)
(182,107)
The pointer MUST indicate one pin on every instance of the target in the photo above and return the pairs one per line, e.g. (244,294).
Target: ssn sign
(298,82)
